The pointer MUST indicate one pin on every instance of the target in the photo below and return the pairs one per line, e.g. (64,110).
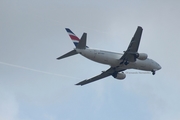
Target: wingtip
(78,84)
(140,27)
(81,83)
(58,58)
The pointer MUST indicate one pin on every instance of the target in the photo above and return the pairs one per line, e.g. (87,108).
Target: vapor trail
(44,72)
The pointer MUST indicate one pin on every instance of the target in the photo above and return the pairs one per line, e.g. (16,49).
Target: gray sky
(34,85)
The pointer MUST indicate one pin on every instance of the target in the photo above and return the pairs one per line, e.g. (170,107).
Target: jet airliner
(118,62)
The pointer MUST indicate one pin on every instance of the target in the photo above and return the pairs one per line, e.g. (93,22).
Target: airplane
(118,62)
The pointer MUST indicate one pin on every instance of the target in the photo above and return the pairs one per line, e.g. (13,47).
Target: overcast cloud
(34,85)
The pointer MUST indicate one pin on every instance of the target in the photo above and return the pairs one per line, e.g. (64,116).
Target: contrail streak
(44,72)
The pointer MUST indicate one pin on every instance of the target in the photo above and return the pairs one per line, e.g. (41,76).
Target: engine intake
(120,76)
(141,56)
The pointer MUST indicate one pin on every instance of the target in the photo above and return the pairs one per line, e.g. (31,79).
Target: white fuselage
(113,59)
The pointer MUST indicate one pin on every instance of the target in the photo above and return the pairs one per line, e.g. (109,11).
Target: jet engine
(141,56)
(120,76)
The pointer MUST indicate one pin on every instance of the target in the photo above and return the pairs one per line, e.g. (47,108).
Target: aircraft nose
(158,67)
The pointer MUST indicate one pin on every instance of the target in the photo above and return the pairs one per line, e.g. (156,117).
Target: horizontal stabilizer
(82,42)
(73,52)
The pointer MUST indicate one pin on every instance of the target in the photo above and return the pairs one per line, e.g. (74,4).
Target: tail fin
(79,43)
(73,37)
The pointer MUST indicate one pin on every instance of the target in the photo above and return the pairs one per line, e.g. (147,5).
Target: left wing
(107,73)
(130,53)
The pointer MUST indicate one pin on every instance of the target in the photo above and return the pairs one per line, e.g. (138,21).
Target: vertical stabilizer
(79,43)
(73,37)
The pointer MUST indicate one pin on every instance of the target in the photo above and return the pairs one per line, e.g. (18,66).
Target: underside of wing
(107,73)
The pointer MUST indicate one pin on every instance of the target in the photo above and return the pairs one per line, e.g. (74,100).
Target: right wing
(129,54)
(107,73)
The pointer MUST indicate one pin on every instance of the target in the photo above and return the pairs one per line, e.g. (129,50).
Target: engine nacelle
(141,56)
(120,76)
